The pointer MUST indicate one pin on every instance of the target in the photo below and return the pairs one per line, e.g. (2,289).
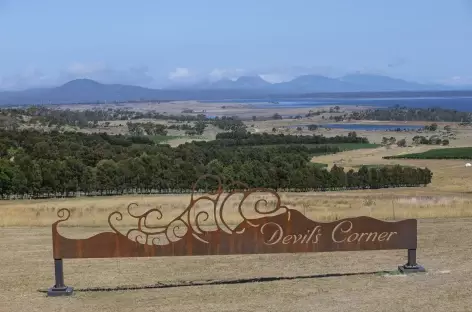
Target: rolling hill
(245,87)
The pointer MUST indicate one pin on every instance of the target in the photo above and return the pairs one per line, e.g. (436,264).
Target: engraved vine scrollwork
(145,232)
(63,214)
(190,221)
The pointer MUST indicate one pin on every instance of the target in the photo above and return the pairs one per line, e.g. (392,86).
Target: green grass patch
(164,138)
(439,153)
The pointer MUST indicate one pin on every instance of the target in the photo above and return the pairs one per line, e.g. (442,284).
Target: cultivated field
(444,210)
(246,111)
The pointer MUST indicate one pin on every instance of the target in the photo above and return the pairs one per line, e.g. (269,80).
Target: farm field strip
(442,153)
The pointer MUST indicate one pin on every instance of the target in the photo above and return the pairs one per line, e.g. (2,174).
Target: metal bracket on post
(411,266)
(59,289)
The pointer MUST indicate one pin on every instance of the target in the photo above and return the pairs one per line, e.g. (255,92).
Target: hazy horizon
(157,44)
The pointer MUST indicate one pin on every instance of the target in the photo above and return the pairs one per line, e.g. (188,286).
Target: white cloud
(457,81)
(29,78)
(273,75)
(181,76)
(106,74)
(35,78)
(282,74)
(84,69)
(274,78)
(180,73)
(397,62)
(220,73)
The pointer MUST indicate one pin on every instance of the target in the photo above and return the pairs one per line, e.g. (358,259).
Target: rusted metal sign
(275,229)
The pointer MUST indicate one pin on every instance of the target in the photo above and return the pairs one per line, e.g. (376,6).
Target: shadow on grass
(228,282)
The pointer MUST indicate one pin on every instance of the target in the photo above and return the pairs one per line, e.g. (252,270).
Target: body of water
(457,103)
(366,127)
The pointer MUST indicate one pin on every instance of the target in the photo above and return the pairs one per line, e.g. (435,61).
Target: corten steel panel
(288,231)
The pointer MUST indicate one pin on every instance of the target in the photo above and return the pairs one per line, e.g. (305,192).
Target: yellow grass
(445,251)
(382,204)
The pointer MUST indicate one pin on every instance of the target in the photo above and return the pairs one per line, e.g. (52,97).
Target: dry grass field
(445,249)
(386,204)
(443,208)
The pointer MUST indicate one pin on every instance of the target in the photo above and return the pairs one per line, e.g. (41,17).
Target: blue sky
(156,42)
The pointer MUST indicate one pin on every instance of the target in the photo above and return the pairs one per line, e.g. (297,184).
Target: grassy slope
(440,153)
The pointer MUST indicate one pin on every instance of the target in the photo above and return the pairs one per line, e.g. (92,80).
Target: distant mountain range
(245,87)
(317,83)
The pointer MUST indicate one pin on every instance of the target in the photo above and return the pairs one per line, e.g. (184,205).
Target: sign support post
(59,289)
(411,266)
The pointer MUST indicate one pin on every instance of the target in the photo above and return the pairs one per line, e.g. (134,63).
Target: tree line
(148,128)
(37,164)
(54,118)
(398,113)
(433,140)
(88,118)
(241,138)
(227,123)
(417,139)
